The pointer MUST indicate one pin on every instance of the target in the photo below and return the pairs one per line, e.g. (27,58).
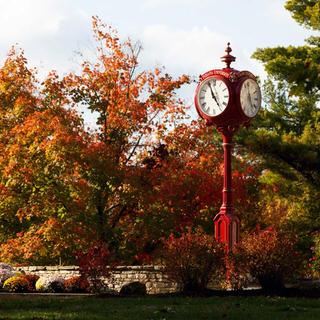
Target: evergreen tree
(286,133)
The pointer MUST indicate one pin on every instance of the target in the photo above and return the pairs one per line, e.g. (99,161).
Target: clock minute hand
(250,100)
(213,95)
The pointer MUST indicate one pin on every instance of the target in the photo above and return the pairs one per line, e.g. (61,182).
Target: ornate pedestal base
(227,229)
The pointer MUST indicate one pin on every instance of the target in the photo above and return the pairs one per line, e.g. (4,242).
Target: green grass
(158,308)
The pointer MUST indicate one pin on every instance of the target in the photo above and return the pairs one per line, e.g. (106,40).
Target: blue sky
(185,36)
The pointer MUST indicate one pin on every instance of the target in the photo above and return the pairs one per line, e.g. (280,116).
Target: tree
(297,66)
(285,136)
(134,109)
(180,187)
(142,173)
(64,187)
(306,12)
(40,186)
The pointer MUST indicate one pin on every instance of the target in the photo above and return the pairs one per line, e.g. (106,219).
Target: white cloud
(181,50)
(287,29)
(193,52)
(48,30)
(29,18)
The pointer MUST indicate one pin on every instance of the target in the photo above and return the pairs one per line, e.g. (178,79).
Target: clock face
(250,97)
(213,96)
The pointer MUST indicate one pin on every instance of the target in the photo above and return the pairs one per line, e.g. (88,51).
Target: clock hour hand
(213,95)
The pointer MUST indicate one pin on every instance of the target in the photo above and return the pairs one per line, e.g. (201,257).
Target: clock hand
(218,100)
(213,95)
(250,100)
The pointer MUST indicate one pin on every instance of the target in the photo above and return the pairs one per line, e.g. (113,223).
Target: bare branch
(140,137)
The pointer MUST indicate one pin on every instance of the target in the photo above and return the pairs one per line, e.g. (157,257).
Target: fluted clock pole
(226,223)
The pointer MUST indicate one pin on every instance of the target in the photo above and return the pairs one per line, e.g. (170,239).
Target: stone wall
(152,276)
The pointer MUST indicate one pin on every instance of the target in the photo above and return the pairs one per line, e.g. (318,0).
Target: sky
(185,36)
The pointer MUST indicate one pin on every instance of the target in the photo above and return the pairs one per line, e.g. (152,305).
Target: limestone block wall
(64,272)
(152,276)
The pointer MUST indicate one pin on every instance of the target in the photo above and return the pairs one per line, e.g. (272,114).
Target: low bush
(314,262)
(94,265)
(6,271)
(17,284)
(269,256)
(5,266)
(32,279)
(193,259)
(4,275)
(50,284)
(76,284)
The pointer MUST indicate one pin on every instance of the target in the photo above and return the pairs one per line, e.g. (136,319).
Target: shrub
(315,259)
(4,275)
(32,279)
(5,266)
(17,284)
(76,284)
(94,265)
(50,284)
(269,256)
(193,259)
(6,272)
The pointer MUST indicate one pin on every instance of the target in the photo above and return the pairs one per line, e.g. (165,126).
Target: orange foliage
(143,172)
(270,256)
(193,260)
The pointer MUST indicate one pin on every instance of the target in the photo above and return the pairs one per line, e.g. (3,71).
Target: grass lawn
(158,308)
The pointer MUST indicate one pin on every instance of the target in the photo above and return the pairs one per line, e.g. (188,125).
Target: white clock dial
(213,96)
(250,97)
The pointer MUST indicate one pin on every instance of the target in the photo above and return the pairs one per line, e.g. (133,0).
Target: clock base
(227,229)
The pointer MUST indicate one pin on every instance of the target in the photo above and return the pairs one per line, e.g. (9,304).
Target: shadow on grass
(285,292)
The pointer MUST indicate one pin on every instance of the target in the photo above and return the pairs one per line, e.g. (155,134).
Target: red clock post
(227,98)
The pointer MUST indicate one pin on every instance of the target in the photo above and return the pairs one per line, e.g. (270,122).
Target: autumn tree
(143,172)
(63,187)
(134,109)
(40,146)
(181,187)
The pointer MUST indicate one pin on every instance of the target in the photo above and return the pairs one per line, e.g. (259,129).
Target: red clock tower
(227,98)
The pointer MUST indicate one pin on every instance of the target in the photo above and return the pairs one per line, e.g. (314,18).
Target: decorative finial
(228,58)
